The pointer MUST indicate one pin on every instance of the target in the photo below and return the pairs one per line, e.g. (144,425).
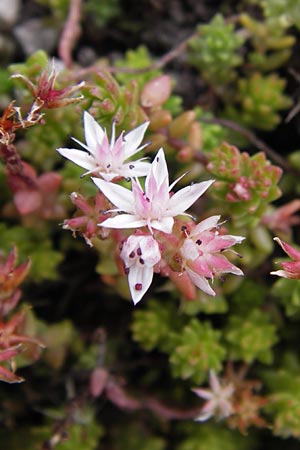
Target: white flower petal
(184,198)
(109,176)
(93,133)
(280,273)
(160,169)
(165,224)
(135,169)
(142,277)
(204,416)
(79,157)
(124,221)
(206,394)
(176,181)
(117,195)
(200,281)
(206,224)
(150,250)
(83,145)
(133,139)
(158,172)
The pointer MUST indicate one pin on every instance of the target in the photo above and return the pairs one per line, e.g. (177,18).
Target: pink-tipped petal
(200,282)
(288,249)
(206,224)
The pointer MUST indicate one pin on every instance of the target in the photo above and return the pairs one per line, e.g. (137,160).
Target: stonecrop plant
(149,210)
(163,240)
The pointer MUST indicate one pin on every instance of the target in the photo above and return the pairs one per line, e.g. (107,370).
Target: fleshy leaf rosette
(245,184)
(197,350)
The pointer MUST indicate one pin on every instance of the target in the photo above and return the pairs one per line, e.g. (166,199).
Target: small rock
(33,35)
(9,13)
(86,56)
(7,48)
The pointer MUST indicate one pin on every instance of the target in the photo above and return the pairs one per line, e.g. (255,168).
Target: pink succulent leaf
(154,207)
(140,254)
(107,159)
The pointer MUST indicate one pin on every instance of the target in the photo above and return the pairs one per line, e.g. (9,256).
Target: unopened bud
(81,203)
(107,105)
(194,137)
(180,126)
(159,119)
(109,83)
(156,91)
(185,154)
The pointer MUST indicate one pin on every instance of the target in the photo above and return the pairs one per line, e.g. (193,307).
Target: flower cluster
(156,233)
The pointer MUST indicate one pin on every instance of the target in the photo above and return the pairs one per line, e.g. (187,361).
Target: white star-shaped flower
(108,159)
(155,207)
(218,399)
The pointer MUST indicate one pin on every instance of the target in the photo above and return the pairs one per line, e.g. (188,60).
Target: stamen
(126,270)
(198,242)
(132,254)
(185,230)
(139,252)
(131,166)
(142,261)
(138,287)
